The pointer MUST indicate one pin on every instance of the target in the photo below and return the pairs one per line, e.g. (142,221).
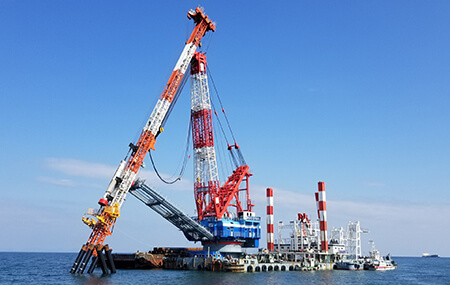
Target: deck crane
(102,220)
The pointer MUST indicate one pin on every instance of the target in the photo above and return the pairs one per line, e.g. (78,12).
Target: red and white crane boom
(232,231)
(206,176)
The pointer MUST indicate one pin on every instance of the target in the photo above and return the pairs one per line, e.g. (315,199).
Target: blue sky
(353,93)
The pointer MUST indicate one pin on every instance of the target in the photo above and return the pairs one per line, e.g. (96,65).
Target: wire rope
(239,160)
(220,101)
(185,159)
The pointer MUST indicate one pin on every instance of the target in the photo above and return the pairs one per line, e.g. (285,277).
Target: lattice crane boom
(212,200)
(102,220)
(206,177)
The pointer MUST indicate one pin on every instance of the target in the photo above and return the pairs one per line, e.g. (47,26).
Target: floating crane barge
(282,257)
(302,250)
(225,224)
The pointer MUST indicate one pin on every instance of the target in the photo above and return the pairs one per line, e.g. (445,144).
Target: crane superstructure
(102,220)
(217,228)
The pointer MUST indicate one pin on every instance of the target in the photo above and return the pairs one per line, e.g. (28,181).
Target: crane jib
(103,220)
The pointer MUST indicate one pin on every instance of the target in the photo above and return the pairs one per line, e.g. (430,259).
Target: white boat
(377,262)
(349,265)
(381,264)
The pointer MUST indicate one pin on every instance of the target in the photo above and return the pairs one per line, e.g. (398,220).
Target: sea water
(53,268)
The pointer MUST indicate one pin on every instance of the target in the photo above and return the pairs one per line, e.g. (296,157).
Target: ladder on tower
(192,229)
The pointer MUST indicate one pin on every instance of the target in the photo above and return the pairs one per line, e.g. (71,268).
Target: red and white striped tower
(206,177)
(270,236)
(317,204)
(322,201)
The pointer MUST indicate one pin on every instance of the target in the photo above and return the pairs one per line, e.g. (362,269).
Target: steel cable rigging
(185,159)
(239,160)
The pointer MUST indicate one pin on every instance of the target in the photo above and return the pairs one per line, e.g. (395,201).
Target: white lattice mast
(206,177)
(337,235)
(353,240)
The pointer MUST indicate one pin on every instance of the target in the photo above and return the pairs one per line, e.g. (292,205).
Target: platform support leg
(109,259)
(78,259)
(85,259)
(101,258)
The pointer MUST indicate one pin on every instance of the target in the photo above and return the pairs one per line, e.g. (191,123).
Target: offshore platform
(225,224)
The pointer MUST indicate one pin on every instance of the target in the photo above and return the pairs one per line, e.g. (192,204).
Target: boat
(348,265)
(377,262)
(381,264)
(426,254)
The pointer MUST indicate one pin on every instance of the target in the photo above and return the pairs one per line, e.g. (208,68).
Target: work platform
(198,259)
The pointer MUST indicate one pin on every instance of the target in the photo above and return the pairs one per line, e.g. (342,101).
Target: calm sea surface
(53,268)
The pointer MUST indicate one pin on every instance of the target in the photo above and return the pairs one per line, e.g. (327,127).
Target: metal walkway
(192,229)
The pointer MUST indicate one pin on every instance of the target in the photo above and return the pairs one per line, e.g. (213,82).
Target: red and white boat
(377,262)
